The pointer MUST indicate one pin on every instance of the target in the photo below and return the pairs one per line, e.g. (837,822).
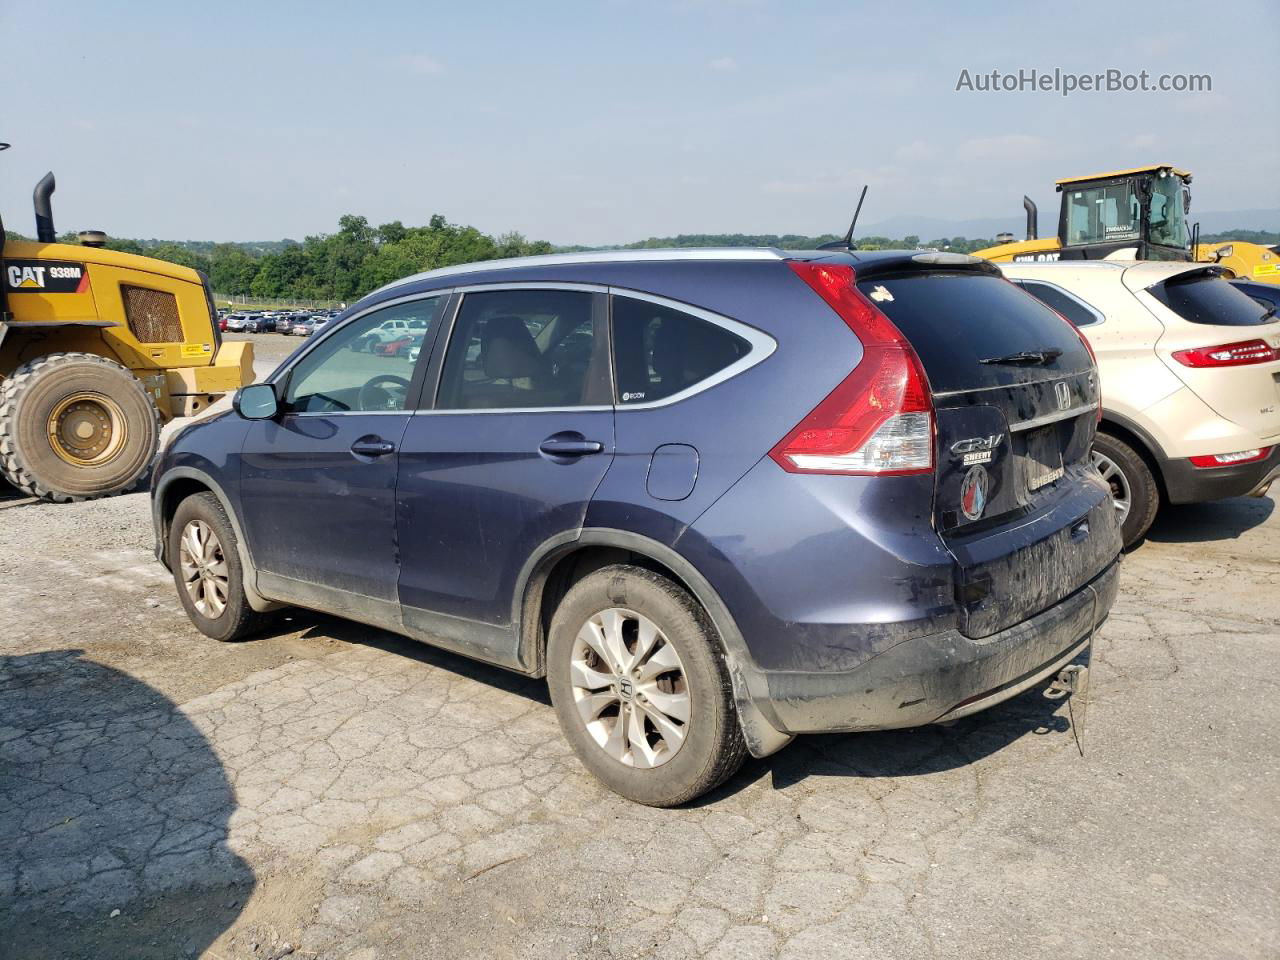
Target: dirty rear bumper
(939,677)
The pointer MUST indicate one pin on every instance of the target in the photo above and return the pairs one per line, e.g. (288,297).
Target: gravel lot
(330,790)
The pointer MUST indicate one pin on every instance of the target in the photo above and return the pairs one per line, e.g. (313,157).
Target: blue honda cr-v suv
(716,497)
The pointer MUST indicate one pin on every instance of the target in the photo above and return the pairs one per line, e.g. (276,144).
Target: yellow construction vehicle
(97,350)
(1135,214)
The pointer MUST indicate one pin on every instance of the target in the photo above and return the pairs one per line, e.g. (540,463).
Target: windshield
(1168,213)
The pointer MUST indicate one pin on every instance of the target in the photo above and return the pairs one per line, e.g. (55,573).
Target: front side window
(1074,310)
(523,349)
(1101,214)
(660,351)
(342,374)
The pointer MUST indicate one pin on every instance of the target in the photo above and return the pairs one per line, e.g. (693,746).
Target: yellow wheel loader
(98,350)
(1136,214)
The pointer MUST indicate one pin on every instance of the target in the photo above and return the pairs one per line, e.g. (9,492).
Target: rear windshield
(1212,300)
(955,321)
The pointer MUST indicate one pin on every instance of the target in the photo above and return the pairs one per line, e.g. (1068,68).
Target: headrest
(508,350)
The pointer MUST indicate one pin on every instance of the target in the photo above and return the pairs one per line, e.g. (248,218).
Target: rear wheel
(74,426)
(1133,487)
(641,689)
(203,555)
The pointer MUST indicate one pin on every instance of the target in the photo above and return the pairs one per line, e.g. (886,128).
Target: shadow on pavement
(894,753)
(906,753)
(1206,522)
(110,799)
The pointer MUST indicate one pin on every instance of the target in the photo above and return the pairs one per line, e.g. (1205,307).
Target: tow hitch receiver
(1072,684)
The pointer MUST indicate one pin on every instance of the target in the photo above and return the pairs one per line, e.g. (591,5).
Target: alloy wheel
(204,569)
(1121,498)
(630,688)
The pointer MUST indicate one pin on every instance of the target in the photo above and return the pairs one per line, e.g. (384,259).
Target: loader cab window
(1168,212)
(1101,214)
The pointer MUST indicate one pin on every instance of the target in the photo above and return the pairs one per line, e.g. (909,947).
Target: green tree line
(343,265)
(358,257)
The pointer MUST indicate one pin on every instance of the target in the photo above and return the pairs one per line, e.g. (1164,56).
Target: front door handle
(372,447)
(561,445)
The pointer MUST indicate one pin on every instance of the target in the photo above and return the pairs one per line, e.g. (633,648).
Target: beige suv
(1190,369)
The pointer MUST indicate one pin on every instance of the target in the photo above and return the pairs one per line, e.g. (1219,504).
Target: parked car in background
(384,333)
(400,345)
(237,323)
(302,327)
(732,495)
(1267,294)
(319,322)
(1190,368)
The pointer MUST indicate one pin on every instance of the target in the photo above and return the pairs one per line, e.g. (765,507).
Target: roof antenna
(847,242)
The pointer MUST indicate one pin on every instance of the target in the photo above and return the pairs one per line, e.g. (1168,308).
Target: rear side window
(660,351)
(955,321)
(1079,313)
(522,349)
(1207,299)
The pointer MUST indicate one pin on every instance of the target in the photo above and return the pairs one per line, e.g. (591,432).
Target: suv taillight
(1231,459)
(1228,355)
(879,419)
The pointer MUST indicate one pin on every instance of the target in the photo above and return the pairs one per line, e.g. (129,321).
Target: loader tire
(76,426)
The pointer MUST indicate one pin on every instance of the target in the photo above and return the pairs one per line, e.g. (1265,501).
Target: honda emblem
(1064,394)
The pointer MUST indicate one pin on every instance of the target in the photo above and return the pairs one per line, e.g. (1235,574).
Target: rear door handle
(559,446)
(372,447)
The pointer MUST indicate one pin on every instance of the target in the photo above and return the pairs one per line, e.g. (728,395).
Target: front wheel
(639,683)
(75,426)
(1134,491)
(205,561)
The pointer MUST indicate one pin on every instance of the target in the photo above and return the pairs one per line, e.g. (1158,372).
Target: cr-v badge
(973,493)
(977,449)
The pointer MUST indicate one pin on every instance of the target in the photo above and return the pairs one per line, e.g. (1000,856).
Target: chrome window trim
(1099,316)
(761,348)
(1051,418)
(599,256)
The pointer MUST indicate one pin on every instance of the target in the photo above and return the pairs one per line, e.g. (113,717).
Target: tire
(77,392)
(1133,486)
(682,670)
(219,557)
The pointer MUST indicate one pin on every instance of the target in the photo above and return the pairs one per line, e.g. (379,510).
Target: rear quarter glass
(955,321)
(1212,300)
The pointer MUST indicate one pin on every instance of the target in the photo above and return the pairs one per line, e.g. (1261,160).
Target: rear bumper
(1189,484)
(939,677)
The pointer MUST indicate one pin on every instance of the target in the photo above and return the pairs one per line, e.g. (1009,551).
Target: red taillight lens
(879,419)
(1228,355)
(1231,459)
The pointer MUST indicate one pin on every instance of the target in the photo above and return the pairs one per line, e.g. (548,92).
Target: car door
(508,455)
(318,481)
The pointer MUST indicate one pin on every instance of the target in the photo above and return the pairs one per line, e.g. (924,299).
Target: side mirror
(257,402)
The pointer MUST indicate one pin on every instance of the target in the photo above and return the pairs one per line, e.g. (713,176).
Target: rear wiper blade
(1030,358)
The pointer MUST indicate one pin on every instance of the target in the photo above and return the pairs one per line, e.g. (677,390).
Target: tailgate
(1025,516)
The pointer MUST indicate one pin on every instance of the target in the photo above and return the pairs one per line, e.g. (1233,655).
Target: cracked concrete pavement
(330,790)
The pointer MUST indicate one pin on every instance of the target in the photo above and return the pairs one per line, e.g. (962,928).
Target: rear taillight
(1231,459)
(879,419)
(1228,355)
(1094,357)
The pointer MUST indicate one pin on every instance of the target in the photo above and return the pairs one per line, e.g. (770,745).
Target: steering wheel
(375,394)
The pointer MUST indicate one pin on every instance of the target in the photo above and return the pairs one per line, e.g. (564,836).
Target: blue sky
(606,122)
